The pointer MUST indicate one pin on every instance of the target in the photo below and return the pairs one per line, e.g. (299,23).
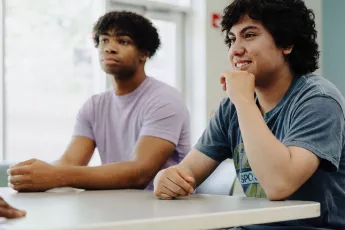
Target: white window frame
(100,82)
(178,19)
(2,82)
(154,5)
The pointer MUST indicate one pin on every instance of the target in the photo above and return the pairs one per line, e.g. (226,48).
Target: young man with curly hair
(139,127)
(281,124)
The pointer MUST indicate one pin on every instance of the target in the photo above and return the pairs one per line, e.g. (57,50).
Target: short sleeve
(83,125)
(165,119)
(318,126)
(215,142)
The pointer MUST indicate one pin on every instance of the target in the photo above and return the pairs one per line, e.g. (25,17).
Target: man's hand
(33,176)
(173,182)
(8,211)
(239,85)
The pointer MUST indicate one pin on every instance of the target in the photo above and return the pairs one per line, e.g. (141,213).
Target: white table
(135,209)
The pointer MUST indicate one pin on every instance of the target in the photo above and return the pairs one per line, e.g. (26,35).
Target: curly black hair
(289,22)
(139,28)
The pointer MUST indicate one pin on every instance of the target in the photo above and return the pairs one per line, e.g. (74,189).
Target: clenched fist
(239,85)
(173,182)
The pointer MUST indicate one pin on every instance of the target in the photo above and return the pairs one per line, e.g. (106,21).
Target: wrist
(63,179)
(244,103)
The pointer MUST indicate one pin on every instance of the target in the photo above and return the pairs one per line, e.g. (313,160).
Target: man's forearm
(59,162)
(110,176)
(267,156)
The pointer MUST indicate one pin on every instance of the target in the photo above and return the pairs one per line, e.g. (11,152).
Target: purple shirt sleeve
(83,126)
(164,119)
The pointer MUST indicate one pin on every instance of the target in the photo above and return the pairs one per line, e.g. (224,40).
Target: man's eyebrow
(244,30)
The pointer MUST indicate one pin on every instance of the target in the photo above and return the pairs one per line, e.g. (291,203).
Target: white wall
(217,56)
(316,6)
(333,42)
(208,60)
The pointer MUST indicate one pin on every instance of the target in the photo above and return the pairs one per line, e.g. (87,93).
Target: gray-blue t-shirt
(310,115)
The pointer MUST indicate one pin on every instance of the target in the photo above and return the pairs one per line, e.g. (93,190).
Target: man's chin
(110,71)
(118,73)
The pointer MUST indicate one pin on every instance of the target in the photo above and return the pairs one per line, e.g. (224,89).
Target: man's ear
(288,50)
(144,55)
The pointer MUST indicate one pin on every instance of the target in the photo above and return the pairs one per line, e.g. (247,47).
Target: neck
(271,93)
(125,86)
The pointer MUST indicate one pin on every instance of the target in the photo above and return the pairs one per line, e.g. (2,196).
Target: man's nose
(111,48)
(236,49)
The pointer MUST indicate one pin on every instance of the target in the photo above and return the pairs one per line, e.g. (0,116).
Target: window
(48,74)
(50,68)
(162,66)
(176,2)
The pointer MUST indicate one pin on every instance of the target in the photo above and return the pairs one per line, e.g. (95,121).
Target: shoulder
(225,104)
(101,97)
(160,88)
(315,85)
(225,116)
(313,89)
(98,100)
(226,109)
(159,93)
(319,85)
(94,103)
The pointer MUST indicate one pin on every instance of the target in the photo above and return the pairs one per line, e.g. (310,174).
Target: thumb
(28,162)
(186,175)
(222,79)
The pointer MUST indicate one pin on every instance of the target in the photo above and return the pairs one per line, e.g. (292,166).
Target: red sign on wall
(215,20)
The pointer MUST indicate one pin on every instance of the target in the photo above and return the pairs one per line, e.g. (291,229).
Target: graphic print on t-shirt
(250,184)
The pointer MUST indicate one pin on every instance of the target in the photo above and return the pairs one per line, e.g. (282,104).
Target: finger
(186,176)
(11,213)
(2,199)
(21,187)
(178,180)
(4,204)
(28,162)
(164,196)
(19,179)
(175,188)
(169,192)
(20,170)
(222,80)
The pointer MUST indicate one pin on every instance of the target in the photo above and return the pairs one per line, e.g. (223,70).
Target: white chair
(221,181)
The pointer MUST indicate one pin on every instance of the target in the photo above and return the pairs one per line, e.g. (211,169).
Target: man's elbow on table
(280,189)
(287,180)
(278,194)
(143,178)
(142,182)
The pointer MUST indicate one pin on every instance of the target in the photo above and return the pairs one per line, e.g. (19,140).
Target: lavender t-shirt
(116,122)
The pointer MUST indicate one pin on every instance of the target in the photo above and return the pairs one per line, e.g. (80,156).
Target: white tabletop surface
(135,209)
